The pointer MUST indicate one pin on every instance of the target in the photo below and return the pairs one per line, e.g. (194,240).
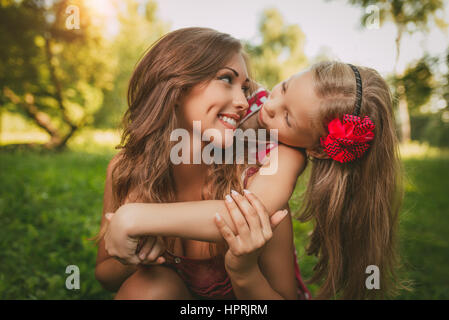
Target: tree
(408,16)
(50,73)
(427,92)
(143,29)
(281,51)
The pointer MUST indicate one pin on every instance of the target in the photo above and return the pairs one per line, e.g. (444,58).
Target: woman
(193,74)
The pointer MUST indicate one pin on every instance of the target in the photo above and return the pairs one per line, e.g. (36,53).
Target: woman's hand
(253,227)
(151,249)
(144,250)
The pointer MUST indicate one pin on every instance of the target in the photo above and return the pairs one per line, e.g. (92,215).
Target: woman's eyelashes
(228,78)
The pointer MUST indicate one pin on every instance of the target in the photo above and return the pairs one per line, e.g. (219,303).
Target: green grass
(424,230)
(51,203)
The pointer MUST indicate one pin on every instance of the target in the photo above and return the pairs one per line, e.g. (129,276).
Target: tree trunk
(1,123)
(404,116)
(58,95)
(32,111)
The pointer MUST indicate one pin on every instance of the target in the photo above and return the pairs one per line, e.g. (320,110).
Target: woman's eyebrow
(235,73)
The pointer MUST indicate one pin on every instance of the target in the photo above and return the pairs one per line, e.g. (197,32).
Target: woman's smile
(229,120)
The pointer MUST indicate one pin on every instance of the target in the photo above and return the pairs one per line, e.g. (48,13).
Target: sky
(330,25)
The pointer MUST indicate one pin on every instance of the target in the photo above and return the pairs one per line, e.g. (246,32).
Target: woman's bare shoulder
(115,159)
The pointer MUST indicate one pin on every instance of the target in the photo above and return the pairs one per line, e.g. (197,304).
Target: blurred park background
(64,69)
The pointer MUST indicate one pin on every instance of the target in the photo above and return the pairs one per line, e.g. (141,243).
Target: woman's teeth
(231,121)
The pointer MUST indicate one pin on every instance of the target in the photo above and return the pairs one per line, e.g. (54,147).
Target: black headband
(358,82)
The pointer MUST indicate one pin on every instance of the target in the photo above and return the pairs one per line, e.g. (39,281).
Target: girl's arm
(195,219)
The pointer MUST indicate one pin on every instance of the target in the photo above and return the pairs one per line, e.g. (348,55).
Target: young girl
(194,74)
(342,115)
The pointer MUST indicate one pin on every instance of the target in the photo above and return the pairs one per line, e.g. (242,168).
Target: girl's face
(219,104)
(290,108)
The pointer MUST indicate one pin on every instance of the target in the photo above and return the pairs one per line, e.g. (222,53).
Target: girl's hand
(118,243)
(252,223)
(150,250)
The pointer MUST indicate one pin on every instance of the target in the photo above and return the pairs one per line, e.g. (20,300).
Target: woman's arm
(109,271)
(274,277)
(243,263)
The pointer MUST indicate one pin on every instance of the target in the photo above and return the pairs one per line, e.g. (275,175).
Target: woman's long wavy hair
(174,64)
(354,206)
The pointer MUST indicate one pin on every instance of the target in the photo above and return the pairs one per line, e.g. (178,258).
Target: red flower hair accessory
(348,140)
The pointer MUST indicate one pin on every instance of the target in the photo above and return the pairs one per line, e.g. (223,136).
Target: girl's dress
(207,278)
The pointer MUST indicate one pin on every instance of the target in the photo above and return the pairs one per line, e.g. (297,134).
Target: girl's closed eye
(286,119)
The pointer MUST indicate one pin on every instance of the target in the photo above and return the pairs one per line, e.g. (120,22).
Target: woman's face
(219,104)
(290,108)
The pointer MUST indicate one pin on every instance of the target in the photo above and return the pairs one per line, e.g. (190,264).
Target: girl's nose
(269,109)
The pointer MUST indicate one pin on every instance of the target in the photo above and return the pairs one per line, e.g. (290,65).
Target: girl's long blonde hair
(354,206)
(173,65)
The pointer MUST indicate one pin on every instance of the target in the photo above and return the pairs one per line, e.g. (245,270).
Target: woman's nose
(240,102)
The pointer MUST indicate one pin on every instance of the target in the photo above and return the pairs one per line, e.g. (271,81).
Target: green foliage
(427,94)
(418,82)
(431,128)
(409,15)
(72,77)
(80,58)
(143,30)
(281,51)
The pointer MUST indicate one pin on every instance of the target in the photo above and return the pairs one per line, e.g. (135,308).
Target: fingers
(239,220)
(277,217)
(156,252)
(249,212)
(226,232)
(123,250)
(262,212)
(148,243)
